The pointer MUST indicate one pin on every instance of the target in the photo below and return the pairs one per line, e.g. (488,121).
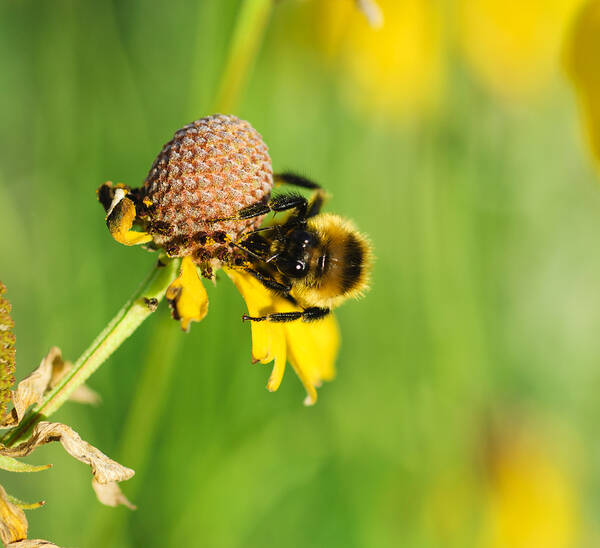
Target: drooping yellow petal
(268,340)
(513,47)
(582,59)
(187,296)
(311,347)
(120,218)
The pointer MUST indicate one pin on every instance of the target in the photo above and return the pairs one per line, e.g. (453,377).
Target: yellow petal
(583,65)
(187,296)
(120,218)
(311,347)
(513,48)
(268,339)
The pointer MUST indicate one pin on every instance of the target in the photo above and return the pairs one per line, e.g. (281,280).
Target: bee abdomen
(354,258)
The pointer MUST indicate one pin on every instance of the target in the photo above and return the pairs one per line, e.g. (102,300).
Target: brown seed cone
(210,169)
(7,352)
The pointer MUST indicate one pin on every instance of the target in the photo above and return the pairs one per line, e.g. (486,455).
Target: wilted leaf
(104,469)
(33,388)
(13,523)
(32,543)
(12,465)
(111,494)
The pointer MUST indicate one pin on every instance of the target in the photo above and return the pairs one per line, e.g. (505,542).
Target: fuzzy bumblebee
(204,200)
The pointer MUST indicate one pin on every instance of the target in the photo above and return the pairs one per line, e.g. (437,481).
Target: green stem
(245,43)
(127,320)
(139,431)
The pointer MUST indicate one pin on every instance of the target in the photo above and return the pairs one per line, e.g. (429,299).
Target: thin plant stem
(245,43)
(140,426)
(127,320)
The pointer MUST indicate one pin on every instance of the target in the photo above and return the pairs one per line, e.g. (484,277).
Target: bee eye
(303,239)
(292,268)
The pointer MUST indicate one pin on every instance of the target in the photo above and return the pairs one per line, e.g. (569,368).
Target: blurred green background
(466,405)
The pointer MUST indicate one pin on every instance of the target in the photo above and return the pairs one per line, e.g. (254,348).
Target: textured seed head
(211,168)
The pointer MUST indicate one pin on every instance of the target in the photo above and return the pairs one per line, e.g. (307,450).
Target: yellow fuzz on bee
(583,65)
(311,347)
(187,295)
(120,218)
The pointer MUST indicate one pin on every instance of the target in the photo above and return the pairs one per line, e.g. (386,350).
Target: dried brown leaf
(32,543)
(111,494)
(33,388)
(13,523)
(104,469)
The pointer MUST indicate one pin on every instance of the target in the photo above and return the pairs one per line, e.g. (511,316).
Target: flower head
(202,203)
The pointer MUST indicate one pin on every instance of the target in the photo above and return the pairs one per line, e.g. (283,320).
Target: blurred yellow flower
(520,495)
(513,48)
(532,500)
(582,59)
(399,69)
(395,69)
(311,348)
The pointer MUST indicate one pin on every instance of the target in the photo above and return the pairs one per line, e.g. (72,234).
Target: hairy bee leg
(307,315)
(282,202)
(121,214)
(294,179)
(270,283)
(316,203)
(318,198)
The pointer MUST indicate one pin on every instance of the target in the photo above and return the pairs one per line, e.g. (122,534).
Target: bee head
(295,258)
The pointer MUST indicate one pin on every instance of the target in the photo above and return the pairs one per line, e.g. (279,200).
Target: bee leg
(294,179)
(270,283)
(121,214)
(282,202)
(307,315)
(318,198)
(316,203)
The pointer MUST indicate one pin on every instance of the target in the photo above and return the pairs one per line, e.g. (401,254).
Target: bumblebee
(315,260)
